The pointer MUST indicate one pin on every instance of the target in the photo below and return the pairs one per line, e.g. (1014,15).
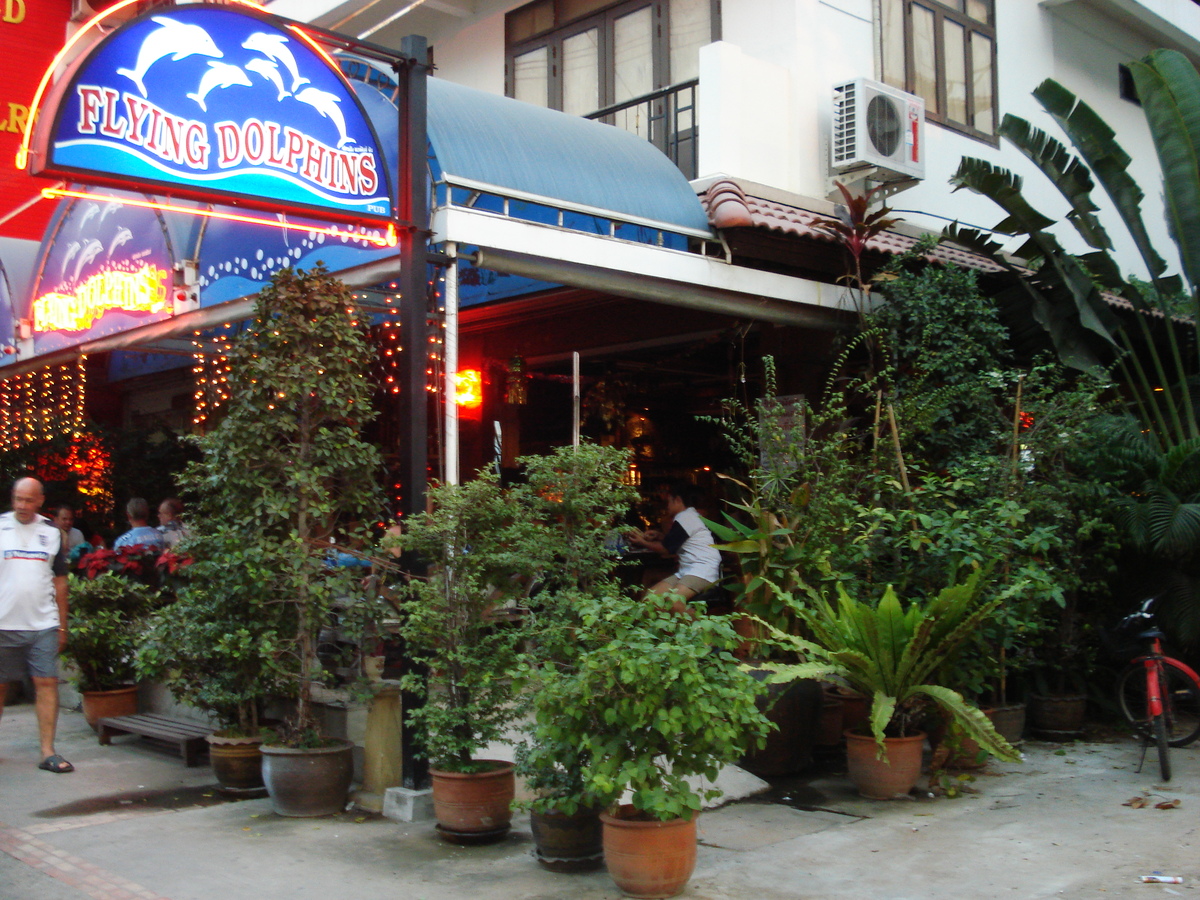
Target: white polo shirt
(30,557)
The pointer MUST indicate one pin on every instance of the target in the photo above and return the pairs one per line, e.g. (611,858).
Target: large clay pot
(961,753)
(474,807)
(795,708)
(647,858)
(1057,718)
(856,708)
(1009,722)
(97,705)
(237,763)
(304,782)
(830,725)
(880,780)
(568,843)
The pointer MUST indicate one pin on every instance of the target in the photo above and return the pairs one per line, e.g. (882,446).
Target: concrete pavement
(133,822)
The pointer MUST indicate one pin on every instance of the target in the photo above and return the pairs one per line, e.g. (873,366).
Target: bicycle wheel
(1181,702)
(1159,727)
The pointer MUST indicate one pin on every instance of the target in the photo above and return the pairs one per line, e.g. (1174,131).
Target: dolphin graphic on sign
(327,105)
(268,70)
(174,39)
(219,75)
(111,207)
(124,236)
(272,46)
(89,252)
(72,249)
(89,213)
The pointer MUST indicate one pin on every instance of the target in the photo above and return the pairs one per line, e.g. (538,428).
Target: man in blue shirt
(137,511)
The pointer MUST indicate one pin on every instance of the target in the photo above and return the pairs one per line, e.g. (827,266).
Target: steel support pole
(413,449)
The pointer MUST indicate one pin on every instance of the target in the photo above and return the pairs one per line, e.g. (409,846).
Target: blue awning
(510,145)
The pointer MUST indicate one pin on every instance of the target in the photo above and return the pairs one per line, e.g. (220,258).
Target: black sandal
(56,764)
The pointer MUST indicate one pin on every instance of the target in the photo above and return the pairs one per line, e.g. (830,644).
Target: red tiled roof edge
(729,206)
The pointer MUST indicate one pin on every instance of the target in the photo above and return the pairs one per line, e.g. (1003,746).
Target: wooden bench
(187,737)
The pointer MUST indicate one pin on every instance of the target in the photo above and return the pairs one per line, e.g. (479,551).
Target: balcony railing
(666,118)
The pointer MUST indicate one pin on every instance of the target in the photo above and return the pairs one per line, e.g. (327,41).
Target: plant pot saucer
(576,864)
(472,838)
(236,793)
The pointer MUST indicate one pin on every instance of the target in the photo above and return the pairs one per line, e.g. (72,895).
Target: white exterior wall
(766,91)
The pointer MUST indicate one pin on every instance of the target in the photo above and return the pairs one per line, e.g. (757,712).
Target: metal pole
(575,399)
(450,356)
(412,196)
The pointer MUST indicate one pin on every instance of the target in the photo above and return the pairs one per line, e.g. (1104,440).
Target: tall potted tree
(479,554)
(285,472)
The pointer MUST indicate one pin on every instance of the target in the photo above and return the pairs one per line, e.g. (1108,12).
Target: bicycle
(1158,695)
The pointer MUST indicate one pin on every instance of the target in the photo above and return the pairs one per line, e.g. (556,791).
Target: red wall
(31,33)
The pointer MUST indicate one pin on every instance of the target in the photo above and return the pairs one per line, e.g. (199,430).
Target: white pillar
(450,360)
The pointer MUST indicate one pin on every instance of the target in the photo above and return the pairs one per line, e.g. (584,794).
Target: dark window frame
(943,11)
(603,20)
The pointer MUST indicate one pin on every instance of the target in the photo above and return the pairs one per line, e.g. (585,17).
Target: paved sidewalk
(133,822)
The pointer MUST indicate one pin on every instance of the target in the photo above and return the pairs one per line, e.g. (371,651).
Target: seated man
(690,540)
(140,532)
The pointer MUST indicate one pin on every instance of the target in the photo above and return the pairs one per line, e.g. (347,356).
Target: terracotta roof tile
(729,206)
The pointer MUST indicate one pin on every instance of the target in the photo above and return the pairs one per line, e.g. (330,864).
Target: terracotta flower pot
(884,780)
(647,858)
(97,705)
(304,782)
(473,807)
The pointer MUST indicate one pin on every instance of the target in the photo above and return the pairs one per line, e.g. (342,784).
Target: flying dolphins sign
(216,103)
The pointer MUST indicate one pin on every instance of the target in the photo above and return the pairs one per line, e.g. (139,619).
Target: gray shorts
(33,653)
(693,583)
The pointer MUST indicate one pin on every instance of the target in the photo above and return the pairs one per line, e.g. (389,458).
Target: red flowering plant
(112,593)
(142,563)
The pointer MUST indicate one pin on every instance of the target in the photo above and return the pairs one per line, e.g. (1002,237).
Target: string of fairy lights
(43,404)
(211,367)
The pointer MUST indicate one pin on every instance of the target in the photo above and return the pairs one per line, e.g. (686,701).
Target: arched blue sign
(216,103)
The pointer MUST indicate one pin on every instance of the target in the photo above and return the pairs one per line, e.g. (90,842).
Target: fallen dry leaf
(1168,804)
(1135,802)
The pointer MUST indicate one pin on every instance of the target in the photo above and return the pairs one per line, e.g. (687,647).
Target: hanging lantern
(516,391)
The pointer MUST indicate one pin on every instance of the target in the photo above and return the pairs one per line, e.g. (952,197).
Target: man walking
(33,609)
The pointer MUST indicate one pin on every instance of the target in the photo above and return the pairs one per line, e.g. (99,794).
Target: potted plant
(112,593)
(894,655)
(283,474)
(579,496)
(108,614)
(459,626)
(654,699)
(216,648)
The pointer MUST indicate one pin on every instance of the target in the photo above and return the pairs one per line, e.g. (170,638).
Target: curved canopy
(506,144)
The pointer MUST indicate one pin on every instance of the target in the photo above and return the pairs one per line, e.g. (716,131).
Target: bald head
(27,498)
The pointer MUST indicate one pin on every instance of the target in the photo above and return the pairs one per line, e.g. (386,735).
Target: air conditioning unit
(878,125)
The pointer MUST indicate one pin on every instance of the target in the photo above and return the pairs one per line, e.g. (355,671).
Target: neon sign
(164,101)
(142,290)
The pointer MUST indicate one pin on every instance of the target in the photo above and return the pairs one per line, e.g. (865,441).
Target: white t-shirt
(30,557)
(690,539)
